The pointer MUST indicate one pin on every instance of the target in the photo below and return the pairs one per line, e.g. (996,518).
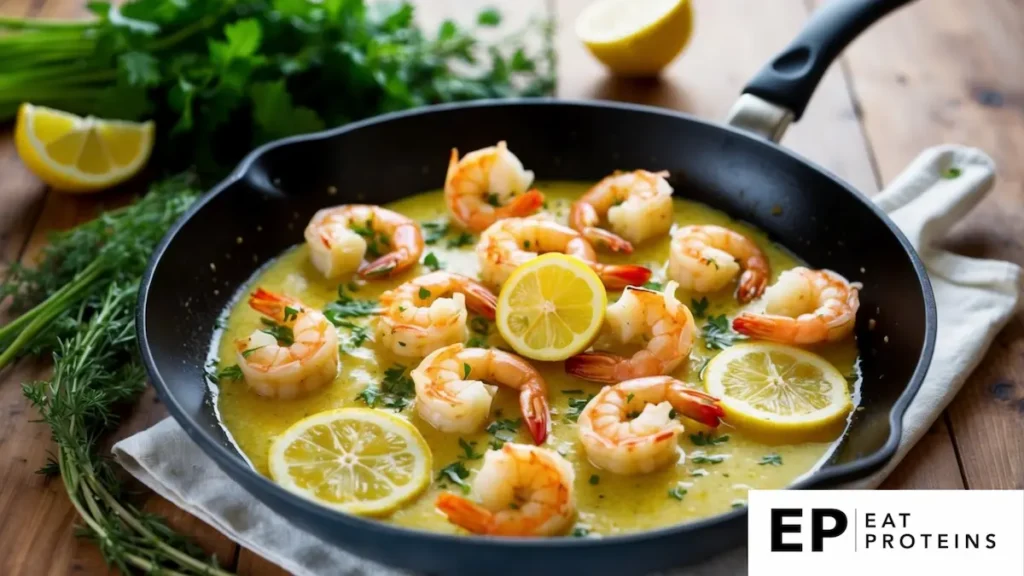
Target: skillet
(737,168)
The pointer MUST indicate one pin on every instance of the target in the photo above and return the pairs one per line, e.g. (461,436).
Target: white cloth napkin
(975,299)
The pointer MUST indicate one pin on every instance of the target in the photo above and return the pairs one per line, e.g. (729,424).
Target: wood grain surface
(939,71)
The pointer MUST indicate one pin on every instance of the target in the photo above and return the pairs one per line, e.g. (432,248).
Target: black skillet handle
(789,80)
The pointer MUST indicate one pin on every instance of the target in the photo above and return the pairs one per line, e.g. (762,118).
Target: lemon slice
(551,308)
(355,460)
(635,37)
(778,393)
(78,154)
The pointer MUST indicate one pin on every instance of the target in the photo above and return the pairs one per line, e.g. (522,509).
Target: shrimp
(420,317)
(647,442)
(451,402)
(341,236)
(657,319)
(706,258)
(508,243)
(487,185)
(524,491)
(299,355)
(638,206)
(804,307)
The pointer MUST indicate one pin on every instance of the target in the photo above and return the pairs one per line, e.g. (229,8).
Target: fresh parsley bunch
(222,76)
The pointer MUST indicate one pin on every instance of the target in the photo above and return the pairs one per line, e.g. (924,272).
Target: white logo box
(904,532)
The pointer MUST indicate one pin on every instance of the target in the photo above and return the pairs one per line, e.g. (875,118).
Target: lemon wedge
(551,307)
(76,154)
(635,37)
(355,460)
(778,393)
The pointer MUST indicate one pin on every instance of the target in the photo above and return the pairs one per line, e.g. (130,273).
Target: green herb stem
(10,23)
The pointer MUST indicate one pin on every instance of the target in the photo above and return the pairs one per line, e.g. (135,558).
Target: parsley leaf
(701,459)
(463,239)
(576,406)
(396,390)
(718,333)
(771,459)
(431,261)
(347,307)
(357,336)
(229,372)
(595,479)
(276,116)
(678,492)
(457,473)
(952,173)
(469,453)
(434,230)
(653,285)
(503,430)
(699,307)
(283,334)
(424,293)
(488,17)
(709,439)
(580,532)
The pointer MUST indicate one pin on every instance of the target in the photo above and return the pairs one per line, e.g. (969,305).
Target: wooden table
(940,71)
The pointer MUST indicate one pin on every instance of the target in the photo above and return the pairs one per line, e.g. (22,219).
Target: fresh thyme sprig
(95,370)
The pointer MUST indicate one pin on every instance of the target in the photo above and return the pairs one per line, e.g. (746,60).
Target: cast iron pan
(272,194)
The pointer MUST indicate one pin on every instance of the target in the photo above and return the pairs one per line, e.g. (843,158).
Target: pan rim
(827,476)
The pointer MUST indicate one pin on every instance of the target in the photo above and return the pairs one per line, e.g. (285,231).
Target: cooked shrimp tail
(595,366)
(804,306)
(407,245)
(699,406)
(523,490)
(602,237)
(269,304)
(480,300)
(429,312)
(656,320)
(522,205)
(465,513)
(452,392)
(619,276)
(636,206)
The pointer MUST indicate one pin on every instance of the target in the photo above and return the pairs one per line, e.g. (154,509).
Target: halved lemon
(551,308)
(635,37)
(357,460)
(778,393)
(76,154)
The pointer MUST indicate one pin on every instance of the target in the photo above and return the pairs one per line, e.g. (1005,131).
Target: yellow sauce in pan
(608,504)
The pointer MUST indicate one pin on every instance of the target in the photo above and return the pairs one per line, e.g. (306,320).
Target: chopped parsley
(771,460)
(434,230)
(526,244)
(466,369)
(468,449)
(431,261)
(290,313)
(576,406)
(709,439)
(707,459)
(283,334)
(481,328)
(457,473)
(503,430)
(595,479)
(718,334)
(712,262)
(463,239)
(580,532)
(246,353)
(396,390)
(228,372)
(357,335)
(493,200)
(699,307)
(629,398)
(348,307)
(424,293)
(678,492)
(952,173)
(699,473)
(652,285)
(739,503)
